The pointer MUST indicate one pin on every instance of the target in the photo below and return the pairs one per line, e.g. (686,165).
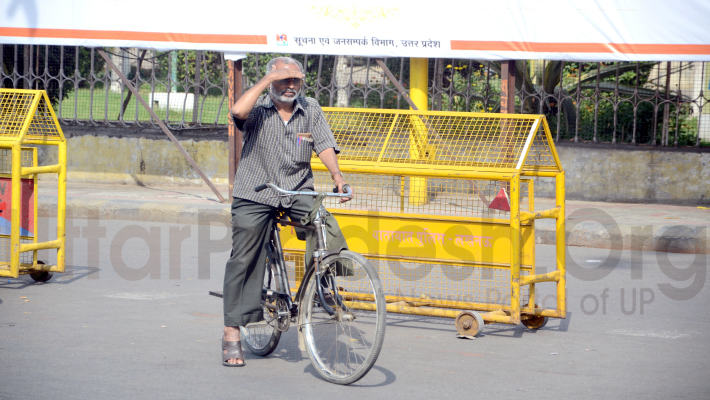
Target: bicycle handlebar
(346,187)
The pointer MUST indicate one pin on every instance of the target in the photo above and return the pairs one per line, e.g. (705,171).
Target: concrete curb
(666,238)
(131,210)
(669,238)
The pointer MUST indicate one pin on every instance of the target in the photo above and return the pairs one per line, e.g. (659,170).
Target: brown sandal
(232,350)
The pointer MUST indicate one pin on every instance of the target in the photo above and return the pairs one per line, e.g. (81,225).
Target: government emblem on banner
(281,40)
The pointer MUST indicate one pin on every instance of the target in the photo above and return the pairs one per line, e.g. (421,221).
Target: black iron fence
(658,103)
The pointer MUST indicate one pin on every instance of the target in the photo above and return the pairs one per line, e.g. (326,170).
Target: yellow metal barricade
(26,121)
(423,183)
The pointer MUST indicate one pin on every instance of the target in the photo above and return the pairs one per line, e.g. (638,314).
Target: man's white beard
(280,96)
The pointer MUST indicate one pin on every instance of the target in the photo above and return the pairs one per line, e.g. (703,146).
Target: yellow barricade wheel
(41,276)
(535,322)
(469,323)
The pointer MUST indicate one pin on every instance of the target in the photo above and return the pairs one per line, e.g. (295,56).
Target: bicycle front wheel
(344,337)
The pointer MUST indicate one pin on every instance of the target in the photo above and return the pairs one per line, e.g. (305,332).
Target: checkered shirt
(272,151)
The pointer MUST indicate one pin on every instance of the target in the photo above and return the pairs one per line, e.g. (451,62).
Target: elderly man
(281,130)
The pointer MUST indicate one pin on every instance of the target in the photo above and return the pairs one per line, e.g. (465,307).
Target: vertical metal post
(700,109)
(418,88)
(35,178)
(515,249)
(15,208)
(26,71)
(531,208)
(560,244)
(438,85)
(173,71)
(196,92)
(616,107)
(678,102)
(507,106)
(578,104)
(666,107)
(507,87)
(597,95)
(636,103)
(235,135)
(61,204)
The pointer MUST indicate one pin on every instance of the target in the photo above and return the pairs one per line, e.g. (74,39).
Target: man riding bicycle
(281,130)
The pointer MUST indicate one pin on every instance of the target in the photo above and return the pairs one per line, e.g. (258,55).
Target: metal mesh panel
(447,197)
(360,136)
(463,140)
(25,258)
(447,282)
(42,125)
(540,154)
(428,283)
(27,156)
(6,160)
(14,108)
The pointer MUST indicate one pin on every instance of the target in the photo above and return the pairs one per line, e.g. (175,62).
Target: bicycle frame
(275,253)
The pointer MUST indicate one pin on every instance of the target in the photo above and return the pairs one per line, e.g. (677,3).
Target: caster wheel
(535,322)
(41,276)
(469,323)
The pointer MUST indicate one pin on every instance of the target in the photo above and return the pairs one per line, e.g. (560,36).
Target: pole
(507,106)
(173,70)
(161,124)
(196,91)
(235,135)
(507,87)
(418,144)
(403,92)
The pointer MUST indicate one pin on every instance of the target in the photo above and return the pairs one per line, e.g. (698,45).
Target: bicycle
(339,307)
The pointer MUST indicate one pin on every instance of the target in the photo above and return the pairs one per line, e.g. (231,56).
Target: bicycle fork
(321,277)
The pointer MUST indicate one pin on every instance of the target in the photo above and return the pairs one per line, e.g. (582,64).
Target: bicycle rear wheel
(345,345)
(263,337)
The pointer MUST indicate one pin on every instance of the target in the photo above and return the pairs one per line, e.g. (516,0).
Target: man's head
(284,92)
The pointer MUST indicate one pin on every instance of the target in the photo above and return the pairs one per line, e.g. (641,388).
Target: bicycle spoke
(345,345)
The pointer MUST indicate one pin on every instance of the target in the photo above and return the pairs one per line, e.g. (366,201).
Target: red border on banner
(623,48)
(132,35)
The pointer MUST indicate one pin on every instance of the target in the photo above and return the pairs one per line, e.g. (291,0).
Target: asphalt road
(110,330)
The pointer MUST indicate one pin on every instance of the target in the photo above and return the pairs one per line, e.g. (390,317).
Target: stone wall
(635,174)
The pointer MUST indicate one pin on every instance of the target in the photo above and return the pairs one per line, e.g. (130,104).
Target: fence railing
(659,103)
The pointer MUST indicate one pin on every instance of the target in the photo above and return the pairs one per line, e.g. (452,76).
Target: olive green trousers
(244,273)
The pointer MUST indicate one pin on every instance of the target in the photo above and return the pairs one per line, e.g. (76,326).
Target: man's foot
(231,334)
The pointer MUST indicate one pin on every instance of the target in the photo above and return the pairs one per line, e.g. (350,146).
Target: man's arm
(330,160)
(245,104)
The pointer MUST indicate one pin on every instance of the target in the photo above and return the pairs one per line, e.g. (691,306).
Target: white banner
(604,30)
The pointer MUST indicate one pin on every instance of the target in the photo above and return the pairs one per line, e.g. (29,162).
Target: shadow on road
(447,325)
(72,274)
(383,375)
(553,324)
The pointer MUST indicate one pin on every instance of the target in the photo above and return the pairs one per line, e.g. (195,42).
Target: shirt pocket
(304,150)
